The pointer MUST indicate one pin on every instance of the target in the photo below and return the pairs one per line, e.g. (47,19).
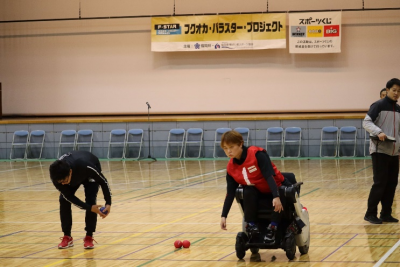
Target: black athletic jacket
(265,166)
(384,117)
(84,166)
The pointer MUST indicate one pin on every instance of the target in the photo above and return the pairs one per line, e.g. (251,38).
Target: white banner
(218,32)
(215,46)
(315,32)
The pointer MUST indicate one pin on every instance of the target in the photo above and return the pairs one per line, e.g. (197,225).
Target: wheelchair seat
(293,230)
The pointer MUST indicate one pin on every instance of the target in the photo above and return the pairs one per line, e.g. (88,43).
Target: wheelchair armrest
(297,184)
(239,193)
(289,192)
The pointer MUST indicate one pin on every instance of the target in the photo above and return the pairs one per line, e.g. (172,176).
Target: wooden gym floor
(155,204)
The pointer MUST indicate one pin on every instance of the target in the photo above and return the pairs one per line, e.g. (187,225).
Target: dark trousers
(386,171)
(91,189)
(253,199)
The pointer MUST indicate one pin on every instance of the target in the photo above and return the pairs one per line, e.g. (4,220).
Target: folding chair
(194,136)
(133,138)
(348,136)
(117,138)
(292,136)
(245,132)
(217,140)
(367,141)
(67,139)
(20,140)
(329,136)
(84,138)
(176,137)
(36,139)
(275,137)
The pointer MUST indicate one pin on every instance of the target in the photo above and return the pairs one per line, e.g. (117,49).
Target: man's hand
(96,209)
(223,223)
(382,136)
(276,202)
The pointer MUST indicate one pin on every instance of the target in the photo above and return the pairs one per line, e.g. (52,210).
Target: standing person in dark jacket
(383,120)
(251,167)
(67,174)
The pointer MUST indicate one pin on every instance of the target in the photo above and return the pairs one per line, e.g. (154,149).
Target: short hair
(384,89)
(231,137)
(392,82)
(59,169)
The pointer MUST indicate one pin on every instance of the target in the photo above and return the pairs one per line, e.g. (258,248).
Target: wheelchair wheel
(240,245)
(254,250)
(290,247)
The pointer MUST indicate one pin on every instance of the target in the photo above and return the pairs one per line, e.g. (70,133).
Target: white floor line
(200,175)
(379,263)
(341,179)
(116,189)
(21,168)
(350,224)
(120,223)
(132,223)
(148,170)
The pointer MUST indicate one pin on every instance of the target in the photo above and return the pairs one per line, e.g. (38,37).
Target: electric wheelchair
(293,230)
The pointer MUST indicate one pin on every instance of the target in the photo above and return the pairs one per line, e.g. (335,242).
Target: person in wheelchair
(252,168)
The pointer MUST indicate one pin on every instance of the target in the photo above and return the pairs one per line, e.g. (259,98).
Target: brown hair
(231,137)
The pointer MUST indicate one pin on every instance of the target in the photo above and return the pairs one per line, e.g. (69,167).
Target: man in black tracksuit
(67,174)
(383,120)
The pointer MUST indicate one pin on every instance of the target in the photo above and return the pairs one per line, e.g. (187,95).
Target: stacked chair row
(186,143)
(125,144)
(334,142)
(118,137)
(75,140)
(189,144)
(27,145)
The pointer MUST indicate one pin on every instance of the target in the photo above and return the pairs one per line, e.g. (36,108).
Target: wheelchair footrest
(263,245)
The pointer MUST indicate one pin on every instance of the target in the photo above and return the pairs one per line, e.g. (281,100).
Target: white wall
(106,66)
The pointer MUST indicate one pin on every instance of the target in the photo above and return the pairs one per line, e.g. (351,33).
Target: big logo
(331,30)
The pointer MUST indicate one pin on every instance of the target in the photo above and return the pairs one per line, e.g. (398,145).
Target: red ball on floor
(186,243)
(178,244)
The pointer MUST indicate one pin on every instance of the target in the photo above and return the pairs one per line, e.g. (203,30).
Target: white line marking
(162,170)
(341,179)
(24,222)
(22,168)
(197,176)
(379,263)
(121,223)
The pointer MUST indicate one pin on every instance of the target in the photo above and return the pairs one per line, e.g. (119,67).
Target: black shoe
(389,219)
(270,235)
(252,231)
(372,219)
(252,228)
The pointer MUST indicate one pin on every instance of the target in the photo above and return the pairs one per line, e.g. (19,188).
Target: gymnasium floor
(155,204)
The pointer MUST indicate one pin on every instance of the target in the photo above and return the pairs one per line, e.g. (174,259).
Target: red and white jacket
(249,173)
